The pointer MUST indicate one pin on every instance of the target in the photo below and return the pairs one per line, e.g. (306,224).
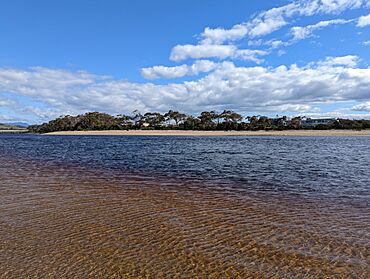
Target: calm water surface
(184,207)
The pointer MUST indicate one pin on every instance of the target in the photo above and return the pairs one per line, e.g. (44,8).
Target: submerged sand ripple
(66,222)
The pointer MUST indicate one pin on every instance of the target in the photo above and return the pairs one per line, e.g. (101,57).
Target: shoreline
(13,131)
(286,133)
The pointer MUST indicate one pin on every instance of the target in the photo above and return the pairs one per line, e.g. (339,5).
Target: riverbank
(287,133)
(13,131)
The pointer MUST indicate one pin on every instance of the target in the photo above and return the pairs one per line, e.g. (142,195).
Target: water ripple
(77,222)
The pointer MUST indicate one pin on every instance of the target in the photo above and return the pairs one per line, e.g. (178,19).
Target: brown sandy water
(70,222)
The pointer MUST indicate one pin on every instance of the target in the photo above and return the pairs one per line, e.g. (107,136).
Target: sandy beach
(287,133)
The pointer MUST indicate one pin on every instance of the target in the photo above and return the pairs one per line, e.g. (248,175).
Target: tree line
(207,120)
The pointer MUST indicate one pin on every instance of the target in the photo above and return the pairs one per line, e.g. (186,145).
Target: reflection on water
(59,219)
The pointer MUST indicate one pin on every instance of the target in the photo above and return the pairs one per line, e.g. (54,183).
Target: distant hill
(9,127)
(18,124)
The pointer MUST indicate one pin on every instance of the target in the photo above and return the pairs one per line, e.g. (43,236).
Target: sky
(281,57)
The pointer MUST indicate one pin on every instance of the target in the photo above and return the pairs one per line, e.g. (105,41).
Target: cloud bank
(248,89)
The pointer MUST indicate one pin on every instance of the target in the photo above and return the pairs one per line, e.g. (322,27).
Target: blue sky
(304,57)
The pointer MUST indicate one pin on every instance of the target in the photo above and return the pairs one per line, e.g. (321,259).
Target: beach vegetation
(206,120)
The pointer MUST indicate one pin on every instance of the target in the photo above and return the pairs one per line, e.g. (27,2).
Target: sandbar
(286,133)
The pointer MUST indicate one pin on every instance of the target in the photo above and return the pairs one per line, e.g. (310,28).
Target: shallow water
(155,207)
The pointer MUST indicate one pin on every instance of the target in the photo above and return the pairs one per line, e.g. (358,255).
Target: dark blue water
(319,167)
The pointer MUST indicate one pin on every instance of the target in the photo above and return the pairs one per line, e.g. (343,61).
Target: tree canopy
(206,120)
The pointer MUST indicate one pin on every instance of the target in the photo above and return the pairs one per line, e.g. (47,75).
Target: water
(184,207)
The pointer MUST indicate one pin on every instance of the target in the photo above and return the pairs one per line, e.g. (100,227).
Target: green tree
(154,119)
(138,118)
(191,123)
(296,122)
(206,120)
(176,116)
(231,116)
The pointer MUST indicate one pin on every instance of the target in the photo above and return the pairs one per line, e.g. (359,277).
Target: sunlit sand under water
(69,222)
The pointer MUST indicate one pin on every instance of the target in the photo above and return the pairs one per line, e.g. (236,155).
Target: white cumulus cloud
(6,103)
(362,107)
(271,20)
(348,61)
(300,33)
(364,21)
(200,66)
(182,52)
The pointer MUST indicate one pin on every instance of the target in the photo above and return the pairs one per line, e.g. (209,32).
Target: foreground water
(182,207)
